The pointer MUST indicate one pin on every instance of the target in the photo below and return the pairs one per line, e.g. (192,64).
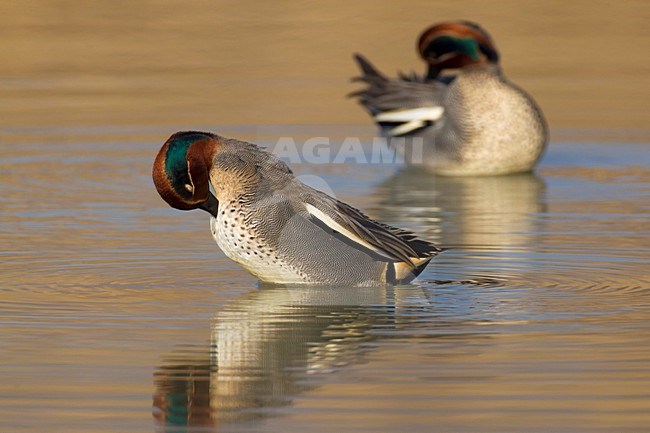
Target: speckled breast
(241,243)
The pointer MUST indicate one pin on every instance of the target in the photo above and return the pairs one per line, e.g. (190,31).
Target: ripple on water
(540,305)
(497,341)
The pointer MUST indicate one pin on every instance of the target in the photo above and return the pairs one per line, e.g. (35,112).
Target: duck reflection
(274,343)
(488,212)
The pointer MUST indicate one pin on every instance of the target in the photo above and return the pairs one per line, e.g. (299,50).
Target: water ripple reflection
(273,345)
(539,307)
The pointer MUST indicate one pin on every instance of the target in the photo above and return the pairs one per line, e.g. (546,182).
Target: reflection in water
(496,212)
(273,343)
(492,224)
(98,280)
(93,296)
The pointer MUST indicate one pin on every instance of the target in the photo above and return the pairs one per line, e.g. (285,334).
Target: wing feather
(403,105)
(389,242)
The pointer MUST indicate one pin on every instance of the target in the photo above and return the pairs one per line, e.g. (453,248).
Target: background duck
(464,117)
(276,227)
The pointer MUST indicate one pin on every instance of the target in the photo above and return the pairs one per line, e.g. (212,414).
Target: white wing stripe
(422,114)
(405,128)
(329,222)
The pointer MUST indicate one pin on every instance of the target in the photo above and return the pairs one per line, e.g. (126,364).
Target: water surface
(536,319)
(118,313)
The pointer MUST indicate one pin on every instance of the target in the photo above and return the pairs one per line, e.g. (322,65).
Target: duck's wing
(392,243)
(400,106)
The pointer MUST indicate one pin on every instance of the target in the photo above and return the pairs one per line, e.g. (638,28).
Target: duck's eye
(189,187)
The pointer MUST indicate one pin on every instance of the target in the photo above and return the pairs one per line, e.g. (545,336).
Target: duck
(276,227)
(464,117)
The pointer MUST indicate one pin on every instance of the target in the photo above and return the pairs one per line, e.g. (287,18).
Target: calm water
(537,319)
(119,314)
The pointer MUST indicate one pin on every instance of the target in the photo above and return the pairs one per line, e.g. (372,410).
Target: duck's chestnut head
(456,44)
(181,171)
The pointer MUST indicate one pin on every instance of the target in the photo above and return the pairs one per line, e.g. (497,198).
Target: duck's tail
(370,73)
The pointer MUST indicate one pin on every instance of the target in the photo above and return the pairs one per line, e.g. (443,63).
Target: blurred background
(112,303)
(148,63)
